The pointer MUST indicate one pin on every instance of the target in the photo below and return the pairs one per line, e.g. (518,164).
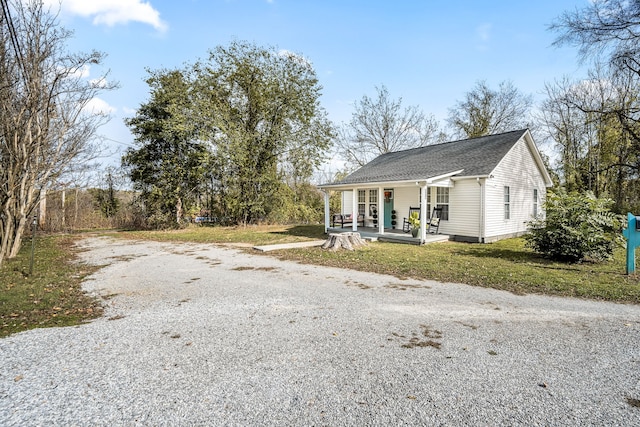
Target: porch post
(326,211)
(423,213)
(354,210)
(380,210)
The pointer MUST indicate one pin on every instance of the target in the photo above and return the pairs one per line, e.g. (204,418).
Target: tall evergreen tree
(169,163)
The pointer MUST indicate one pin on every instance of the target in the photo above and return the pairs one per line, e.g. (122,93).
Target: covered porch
(383,220)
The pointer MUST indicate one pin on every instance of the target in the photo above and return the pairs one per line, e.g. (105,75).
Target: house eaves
(429,181)
(474,157)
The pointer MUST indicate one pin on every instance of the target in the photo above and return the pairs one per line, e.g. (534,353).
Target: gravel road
(206,335)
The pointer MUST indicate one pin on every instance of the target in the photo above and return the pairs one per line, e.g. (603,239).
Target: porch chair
(406,225)
(345,219)
(434,222)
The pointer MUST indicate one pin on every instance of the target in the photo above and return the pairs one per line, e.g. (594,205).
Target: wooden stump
(348,241)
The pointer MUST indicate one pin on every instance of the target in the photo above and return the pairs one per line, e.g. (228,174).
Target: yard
(52,296)
(505,265)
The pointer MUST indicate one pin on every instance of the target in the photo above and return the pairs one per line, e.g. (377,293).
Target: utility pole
(33,243)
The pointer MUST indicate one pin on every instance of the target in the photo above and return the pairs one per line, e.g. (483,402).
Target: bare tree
(380,126)
(607,31)
(485,111)
(603,27)
(45,125)
(585,120)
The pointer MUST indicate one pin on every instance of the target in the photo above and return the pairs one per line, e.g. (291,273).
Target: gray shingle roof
(477,156)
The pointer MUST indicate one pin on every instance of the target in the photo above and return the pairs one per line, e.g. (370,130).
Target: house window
(535,202)
(362,202)
(373,201)
(507,203)
(442,201)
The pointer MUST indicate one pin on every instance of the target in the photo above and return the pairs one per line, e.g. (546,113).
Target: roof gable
(475,157)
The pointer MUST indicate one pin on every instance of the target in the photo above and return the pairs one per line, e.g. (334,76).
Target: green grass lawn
(51,295)
(254,235)
(506,264)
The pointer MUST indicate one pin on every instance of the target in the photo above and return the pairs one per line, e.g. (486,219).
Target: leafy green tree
(261,112)
(105,198)
(170,162)
(577,226)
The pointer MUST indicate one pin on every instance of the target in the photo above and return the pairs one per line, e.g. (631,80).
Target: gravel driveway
(207,335)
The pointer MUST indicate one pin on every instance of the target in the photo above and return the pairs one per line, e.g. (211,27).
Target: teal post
(632,234)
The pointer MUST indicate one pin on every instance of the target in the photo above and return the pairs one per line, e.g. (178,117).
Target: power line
(14,40)
(126,144)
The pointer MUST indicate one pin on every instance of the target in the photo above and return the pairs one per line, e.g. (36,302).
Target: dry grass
(52,295)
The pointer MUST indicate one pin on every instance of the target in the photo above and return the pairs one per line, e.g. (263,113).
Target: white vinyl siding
(519,171)
(347,202)
(464,209)
(405,197)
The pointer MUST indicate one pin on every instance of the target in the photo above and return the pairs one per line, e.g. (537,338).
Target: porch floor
(391,235)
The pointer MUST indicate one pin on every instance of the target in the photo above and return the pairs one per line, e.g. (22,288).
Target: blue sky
(428,52)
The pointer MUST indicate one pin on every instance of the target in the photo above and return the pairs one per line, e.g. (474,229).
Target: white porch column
(326,211)
(354,210)
(423,213)
(380,210)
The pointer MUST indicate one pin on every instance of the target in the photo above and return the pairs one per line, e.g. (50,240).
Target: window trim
(442,201)
(507,202)
(373,200)
(362,202)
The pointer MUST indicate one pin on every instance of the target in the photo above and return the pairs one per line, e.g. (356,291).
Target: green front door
(388,207)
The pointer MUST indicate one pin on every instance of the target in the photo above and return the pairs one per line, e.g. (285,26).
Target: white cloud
(99,106)
(82,72)
(98,83)
(129,111)
(113,12)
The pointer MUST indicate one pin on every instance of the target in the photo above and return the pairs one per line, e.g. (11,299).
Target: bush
(576,227)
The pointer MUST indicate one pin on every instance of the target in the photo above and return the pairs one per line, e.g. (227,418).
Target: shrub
(576,227)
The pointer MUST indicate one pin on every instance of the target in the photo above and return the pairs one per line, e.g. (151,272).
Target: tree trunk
(178,210)
(17,237)
(43,207)
(7,235)
(349,241)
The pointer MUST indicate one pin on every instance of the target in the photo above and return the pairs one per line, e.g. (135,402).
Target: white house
(486,188)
